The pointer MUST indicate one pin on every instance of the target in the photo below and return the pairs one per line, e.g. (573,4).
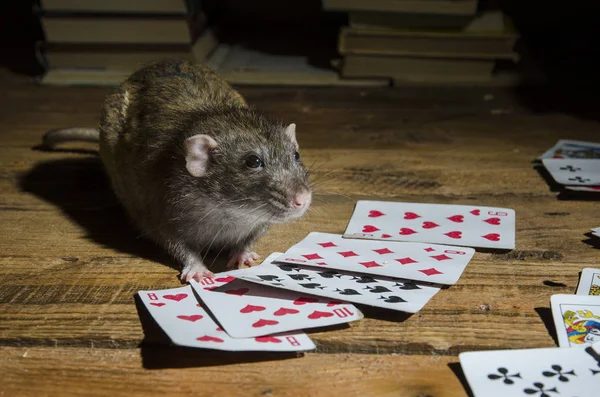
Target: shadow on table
(572,195)
(458,371)
(547,177)
(592,240)
(380,313)
(80,188)
(545,314)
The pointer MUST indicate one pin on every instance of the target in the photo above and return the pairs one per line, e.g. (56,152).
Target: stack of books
(91,41)
(423,40)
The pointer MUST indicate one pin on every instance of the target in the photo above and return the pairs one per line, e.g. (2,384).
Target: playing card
(567,149)
(179,314)
(387,292)
(589,282)
(246,309)
(576,318)
(538,372)
(574,171)
(462,225)
(440,264)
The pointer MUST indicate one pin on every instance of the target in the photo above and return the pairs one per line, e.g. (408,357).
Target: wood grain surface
(70,262)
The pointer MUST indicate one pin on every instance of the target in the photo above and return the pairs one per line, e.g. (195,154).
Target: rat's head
(250,166)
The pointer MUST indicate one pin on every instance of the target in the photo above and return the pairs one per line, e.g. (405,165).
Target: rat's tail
(53,137)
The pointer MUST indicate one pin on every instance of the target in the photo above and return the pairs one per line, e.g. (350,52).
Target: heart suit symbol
(411,215)
(375,214)
(175,298)
(283,311)
(193,318)
(207,338)
(304,300)
(429,225)
(227,279)
(369,229)
(267,339)
(317,314)
(262,322)
(252,308)
(492,237)
(456,218)
(454,234)
(493,221)
(406,231)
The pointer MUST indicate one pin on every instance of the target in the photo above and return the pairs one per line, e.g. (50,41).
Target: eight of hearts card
(181,317)
(541,372)
(246,309)
(577,319)
(431,263)
(390,293)
(462,225)
(589,282)
(574,171)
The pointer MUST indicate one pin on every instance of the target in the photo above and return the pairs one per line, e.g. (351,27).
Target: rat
(194,166)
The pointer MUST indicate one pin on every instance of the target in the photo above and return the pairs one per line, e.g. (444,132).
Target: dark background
(562,36)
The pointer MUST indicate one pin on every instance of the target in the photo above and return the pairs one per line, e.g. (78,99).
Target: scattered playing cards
(246,309)
(462,225)
(577,319)
(431,263)
(184,321)
(541,372)
(394,256)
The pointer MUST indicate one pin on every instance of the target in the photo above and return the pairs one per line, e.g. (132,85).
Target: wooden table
(70,263)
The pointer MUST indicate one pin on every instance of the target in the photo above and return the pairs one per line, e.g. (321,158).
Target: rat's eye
(254,162)
(297,156)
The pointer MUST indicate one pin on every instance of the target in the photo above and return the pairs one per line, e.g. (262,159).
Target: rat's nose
(301,199)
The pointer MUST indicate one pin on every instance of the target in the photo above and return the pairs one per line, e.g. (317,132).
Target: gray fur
(145,122)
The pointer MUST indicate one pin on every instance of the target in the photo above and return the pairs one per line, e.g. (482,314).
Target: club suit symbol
(570,168)
(579,179)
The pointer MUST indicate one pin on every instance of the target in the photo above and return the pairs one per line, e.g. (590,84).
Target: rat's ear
(290,132)
(197,153)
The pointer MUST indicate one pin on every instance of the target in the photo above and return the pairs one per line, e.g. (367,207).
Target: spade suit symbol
(378,289)
(300,277)
(329,274)
(347,291)
(270,278)
(407,286)
(364,279)
(289,268)
(392,299)
(312,286)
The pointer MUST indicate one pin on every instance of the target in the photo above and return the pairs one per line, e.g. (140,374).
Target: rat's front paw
(195,271)
(241,259)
